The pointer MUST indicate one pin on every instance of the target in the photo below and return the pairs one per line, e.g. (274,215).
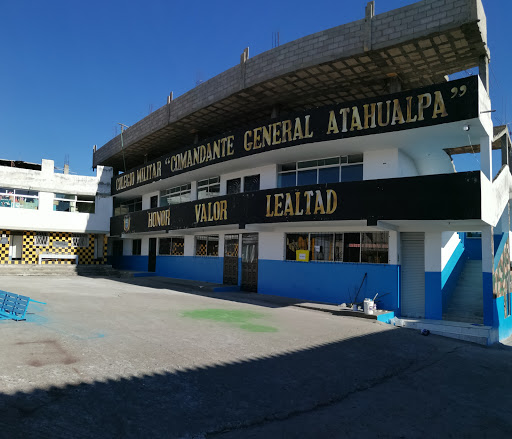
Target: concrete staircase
(466,303)
(63,270)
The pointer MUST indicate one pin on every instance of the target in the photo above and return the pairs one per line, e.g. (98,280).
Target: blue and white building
(317,175)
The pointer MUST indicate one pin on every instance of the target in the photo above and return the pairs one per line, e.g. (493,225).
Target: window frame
(206,238)
(176,191)
(336,237)
(210,183)
(171,245)
(339,162)
(16,199)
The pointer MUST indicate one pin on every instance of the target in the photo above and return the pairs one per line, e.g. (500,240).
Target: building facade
(53,218)
(329,176)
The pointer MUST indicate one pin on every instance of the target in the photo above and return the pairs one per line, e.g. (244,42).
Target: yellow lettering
(397,113)
(297,132)
(230,145)
(379,114)
(287,131)
(276,135)
(344,112)
(332,201)
(308,134)
(257,138)
(297,204)
(409,110)
(288,205)
(439,107)
(332,126)
(319,204)
(424,101)
(308,195)
(356,120)
(269,212)
(267,136)
(247,145)
(369,116)
(278,204)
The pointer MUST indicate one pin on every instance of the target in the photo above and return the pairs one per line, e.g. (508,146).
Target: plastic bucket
(368,306)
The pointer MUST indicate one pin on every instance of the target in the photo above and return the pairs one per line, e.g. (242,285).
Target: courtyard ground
(121,358)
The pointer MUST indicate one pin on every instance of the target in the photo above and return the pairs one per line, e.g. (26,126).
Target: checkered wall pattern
(58,243)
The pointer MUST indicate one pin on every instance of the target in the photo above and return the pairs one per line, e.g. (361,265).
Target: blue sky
(70,70)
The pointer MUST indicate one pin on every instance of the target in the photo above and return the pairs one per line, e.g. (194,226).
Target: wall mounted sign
(412,198)
(442,103)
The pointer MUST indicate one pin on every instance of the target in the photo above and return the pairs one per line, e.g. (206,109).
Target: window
(122,207)
(175,195)
(252,183)
(19,198)
(374,247)
(474,235)
(207,245)
(366,247)
(80,240)
(294,242)
(172,246)
(153,202)
(136,247)
(208,188)
(41,239)
(73,203)
(329,170)
(233,186)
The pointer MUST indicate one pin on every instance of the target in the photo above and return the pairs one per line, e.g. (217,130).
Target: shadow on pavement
(393,383)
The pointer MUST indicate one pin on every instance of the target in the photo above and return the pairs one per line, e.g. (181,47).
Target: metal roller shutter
(413,274)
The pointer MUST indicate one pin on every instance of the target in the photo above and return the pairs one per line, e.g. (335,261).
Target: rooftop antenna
(199,78)
(123,127)
(66,164)
(275,39)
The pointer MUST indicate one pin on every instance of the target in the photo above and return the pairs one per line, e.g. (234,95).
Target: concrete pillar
(483,71)
(394,248)
(369,14)
(193,190)
(433,282)
(487,270)
(504,150)
(486,156)
(188,246)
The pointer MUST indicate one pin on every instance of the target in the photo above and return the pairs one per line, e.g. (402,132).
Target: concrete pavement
(119,358)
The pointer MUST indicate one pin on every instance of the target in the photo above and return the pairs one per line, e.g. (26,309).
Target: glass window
(208,188)
(173,246)
(294,242)
(234,186)
(307,177)
(175,195)
(329,175)
(352,173)
(136,246)
(352,247)
(153,202)
(374,247)
(338,247)
(287,180)
(252,183)
(19,198)
(322,247)
(321,171)
(207,245)
(122,207)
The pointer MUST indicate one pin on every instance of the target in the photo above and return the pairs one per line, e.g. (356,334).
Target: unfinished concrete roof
(419,44)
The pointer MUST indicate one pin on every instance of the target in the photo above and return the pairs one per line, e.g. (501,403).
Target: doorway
(413,275)
(231,259)
(152,255)
(16,247)
(250,262)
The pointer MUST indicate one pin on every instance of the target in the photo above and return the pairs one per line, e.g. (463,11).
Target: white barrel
(368,306)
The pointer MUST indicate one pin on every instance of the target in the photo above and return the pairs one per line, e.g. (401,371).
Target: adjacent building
(322,169)
(49,217)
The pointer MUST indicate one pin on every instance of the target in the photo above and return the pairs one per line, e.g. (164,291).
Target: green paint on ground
(235,317)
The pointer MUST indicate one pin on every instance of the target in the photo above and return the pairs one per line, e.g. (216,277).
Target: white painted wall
(146,199)
(271,246)
(388,163)
(449,242)
(47,183)
(268,177)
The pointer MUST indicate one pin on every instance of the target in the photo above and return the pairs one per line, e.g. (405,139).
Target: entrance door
(16,246)
(231,260)
(98,246)
(413,274)
(152,255)
(250,262)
